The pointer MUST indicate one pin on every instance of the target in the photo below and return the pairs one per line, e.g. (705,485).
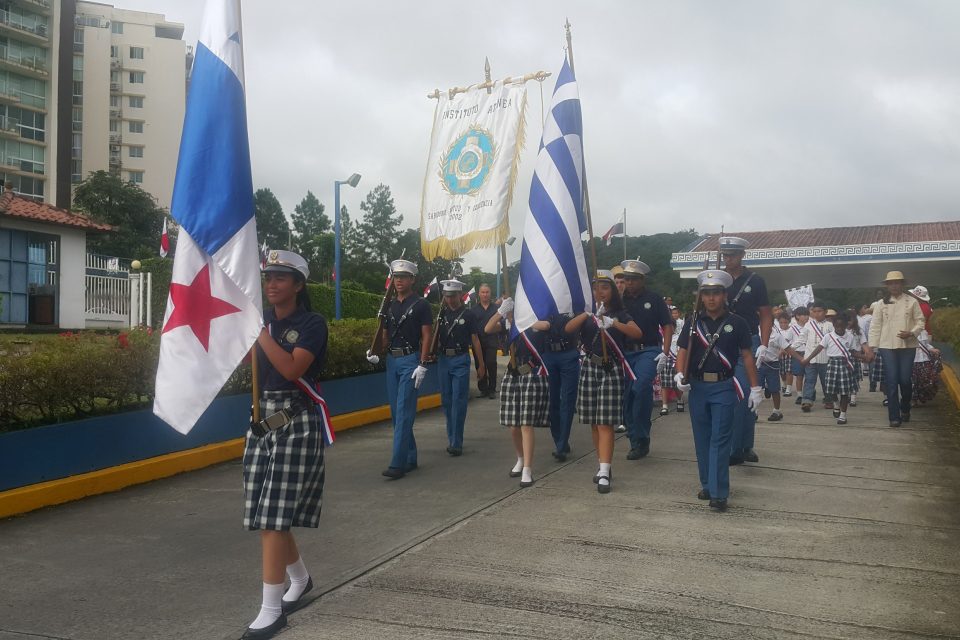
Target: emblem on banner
(465,167)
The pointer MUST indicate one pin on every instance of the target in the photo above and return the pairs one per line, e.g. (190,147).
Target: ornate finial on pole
(486,73)
(569,45)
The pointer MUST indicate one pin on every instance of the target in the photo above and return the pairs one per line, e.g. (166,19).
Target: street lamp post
(353,181)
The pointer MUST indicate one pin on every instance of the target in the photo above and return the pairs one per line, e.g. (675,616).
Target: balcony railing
(116,112)
(19,164)
(115,87)
(9,20)
(116,138)
(34,64)
(9,124)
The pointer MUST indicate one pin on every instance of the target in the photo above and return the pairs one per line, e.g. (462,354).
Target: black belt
(403,351)
(559,346)
(712,376)
(520,370)
(454,352)
(633,348)
(280,419)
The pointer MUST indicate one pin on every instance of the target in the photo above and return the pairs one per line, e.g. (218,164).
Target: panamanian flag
(214,312)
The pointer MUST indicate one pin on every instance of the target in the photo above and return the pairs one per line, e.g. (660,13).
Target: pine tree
(312,236)
(271,223)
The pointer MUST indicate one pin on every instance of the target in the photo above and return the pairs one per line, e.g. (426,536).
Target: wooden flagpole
(255,383)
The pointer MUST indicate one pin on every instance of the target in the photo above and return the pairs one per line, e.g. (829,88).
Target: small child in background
(768,370)
(842,348)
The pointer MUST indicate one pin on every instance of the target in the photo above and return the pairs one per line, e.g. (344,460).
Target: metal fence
(116,295)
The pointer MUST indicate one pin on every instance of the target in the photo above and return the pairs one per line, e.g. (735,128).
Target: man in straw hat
(897,321)
(706,364)
(746,297)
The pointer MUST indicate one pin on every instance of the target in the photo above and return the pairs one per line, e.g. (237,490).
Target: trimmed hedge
(46,379)
(945,324)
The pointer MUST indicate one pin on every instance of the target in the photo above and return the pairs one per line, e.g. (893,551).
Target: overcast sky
(754,114)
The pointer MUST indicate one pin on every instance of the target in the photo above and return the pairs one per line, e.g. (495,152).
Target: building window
(136,53)
(136,102)
(136,77)
(136,127)
(136,152)
(114,101)
(116,27)
(114,126)
(136,177)
(114,51)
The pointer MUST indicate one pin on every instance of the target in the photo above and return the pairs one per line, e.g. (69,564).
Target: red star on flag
(193,306)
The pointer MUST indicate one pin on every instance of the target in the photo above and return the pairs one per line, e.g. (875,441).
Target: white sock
(778,412)
(299,576)
(527,475)
(787,389)
(517,467)
(604,473)
(843,415)
(853,398)
(270,609)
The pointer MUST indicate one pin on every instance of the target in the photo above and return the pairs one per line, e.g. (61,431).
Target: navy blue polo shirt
(522,354)
(557,339)
(300,330)
(404,320)
(481,317)
(590,333)
(732,336)
(650,313)
(753,297)
(457,327)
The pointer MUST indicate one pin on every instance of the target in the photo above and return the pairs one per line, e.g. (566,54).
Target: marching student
(815,367)
(600,389)
(746,297)
(841,347)
(283,468)
(798,345)
(863,349)
(897,321)
(768,370)
(877,379)
(786,361)
(665,370)
(406,335)
(621,285)
(720,339)
(561,357)
(650,312)
(457,332)
(524,390)
(865,317)
(487,356)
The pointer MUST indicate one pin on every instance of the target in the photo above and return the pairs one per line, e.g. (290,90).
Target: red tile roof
(18,207)
(840,236)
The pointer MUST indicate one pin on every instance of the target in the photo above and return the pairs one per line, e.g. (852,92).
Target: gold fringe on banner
(451,248)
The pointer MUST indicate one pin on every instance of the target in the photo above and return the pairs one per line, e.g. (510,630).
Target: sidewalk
(838,532)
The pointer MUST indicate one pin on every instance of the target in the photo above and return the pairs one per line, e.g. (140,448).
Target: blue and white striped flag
(213,311)
(553,271)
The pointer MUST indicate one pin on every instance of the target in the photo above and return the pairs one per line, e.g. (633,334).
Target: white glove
(760,354)
(372,359)
(681,385)
(756,397)
(605,321)
(660,358)
(505,307)
(418,375)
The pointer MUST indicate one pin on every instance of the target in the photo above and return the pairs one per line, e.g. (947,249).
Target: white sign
(471,170)
(799,297)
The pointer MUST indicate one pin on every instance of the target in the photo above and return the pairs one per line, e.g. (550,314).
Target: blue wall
(61,450)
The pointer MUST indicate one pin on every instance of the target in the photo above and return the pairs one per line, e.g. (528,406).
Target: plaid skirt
(600,393)
(857,374)
(876,371)
(926,380)
(838,378)
(786,364)
(524,400)
(665,373)
(283,471)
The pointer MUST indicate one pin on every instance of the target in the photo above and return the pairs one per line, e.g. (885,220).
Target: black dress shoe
(559,456)
(718,505)
(290,607)
(393,472)
(603,487)
(515,474)
(836,413)
(904,416)
(524,485)
(664,411)
(455,451)
(596,476)
(680,408)
(894,423)
(703,495)
(450,450)
(634,454)
(750,456)
(735,460)
(266,632)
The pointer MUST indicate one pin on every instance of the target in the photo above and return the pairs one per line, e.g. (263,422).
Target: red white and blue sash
(797,329)
(627,370)
(536,354)
(817,329)
(326,425)
(925,349)
(843,351)
(701,335)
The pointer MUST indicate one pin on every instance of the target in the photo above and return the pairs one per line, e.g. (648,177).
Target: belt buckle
(397,353)
(711,377)
(524,369)
(449,352)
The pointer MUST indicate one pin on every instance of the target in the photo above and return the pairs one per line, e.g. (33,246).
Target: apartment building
(29,65)
(128,96)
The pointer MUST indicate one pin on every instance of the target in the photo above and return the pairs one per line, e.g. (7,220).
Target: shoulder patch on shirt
(291,336)
(747,289)
(728,328)
(647,305)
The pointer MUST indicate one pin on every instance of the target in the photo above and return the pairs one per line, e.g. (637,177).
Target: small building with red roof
(42,263)
(928,253)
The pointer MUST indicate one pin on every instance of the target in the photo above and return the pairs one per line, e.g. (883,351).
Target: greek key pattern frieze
(813,253)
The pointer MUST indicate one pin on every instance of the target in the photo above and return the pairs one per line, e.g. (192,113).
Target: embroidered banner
(471,170)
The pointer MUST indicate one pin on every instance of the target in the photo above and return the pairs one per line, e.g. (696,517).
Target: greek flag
(553,272)
(213,308)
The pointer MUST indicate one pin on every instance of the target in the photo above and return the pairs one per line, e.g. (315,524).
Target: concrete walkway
(838,532)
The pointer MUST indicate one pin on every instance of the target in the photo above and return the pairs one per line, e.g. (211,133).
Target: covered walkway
(840,257)
(838,532)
